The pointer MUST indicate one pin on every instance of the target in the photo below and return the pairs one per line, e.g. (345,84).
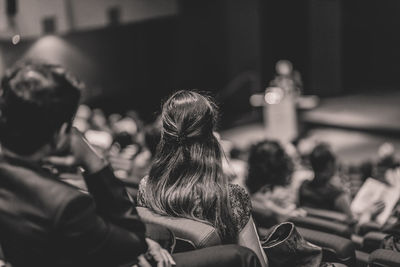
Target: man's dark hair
(37,98)
(321,157)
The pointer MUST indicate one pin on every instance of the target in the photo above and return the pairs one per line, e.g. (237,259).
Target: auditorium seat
(362,258)
(162,235)
(322,225)
(326,214)
(368,227)
(357,241)
(316,219)
(334,248)
(373,241)
(189,234)
(384,258)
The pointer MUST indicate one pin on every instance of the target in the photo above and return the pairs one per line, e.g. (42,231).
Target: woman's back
(238,198)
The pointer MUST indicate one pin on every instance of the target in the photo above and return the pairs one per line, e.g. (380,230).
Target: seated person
(322,192)
(287,78)
(386,161)
(44,221)
(186,178)
(269,175)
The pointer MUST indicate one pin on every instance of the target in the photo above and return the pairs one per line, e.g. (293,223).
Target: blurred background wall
(132,53)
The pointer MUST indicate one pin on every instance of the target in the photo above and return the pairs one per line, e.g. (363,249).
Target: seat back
(190,234)
(373,241)
(330,215)
(335,248)
(384,258)
(322,225)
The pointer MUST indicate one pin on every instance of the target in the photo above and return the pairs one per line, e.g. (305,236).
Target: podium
(280,116)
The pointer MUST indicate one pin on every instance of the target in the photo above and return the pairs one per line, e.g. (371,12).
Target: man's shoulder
(37,187)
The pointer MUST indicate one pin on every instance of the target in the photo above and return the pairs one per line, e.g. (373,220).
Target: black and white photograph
(199,133)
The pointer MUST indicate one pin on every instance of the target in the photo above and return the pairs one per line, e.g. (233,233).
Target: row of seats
(329,230)
(337,244)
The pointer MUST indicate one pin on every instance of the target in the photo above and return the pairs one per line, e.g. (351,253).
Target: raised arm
(110,196)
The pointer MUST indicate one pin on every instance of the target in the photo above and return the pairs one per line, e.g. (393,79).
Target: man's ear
(63,130)
(61,136)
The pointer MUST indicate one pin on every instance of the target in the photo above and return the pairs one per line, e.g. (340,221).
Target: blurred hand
(155,256)
(376,209)
(119,163)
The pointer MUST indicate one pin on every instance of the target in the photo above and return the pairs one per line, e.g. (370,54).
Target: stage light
(274,95)
(16,39)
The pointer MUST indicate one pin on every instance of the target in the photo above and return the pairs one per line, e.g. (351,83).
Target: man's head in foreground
(38,103)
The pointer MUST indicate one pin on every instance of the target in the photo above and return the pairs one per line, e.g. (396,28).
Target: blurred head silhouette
(284,67)
(322,161)
(39,101)
(269,166)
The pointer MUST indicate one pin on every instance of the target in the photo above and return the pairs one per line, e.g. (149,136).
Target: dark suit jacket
(46,222)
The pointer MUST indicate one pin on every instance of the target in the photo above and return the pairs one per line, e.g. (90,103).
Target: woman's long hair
(186,178)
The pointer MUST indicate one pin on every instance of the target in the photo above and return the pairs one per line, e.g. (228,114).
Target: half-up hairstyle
(186,178)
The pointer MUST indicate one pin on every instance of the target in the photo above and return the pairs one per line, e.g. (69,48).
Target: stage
(376,112)
(355,125)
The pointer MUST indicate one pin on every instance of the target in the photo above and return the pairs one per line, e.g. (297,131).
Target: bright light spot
(386,150)
(273,95)
(15,39)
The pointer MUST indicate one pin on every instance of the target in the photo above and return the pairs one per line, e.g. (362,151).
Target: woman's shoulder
(236,191)
(241,205)
(143,181)
(141,196)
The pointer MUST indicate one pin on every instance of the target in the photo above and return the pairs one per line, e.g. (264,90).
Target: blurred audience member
(324,190)
(46,222)
(99,120)
(386,161)
(287,78)
(269,176)
(81,121)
